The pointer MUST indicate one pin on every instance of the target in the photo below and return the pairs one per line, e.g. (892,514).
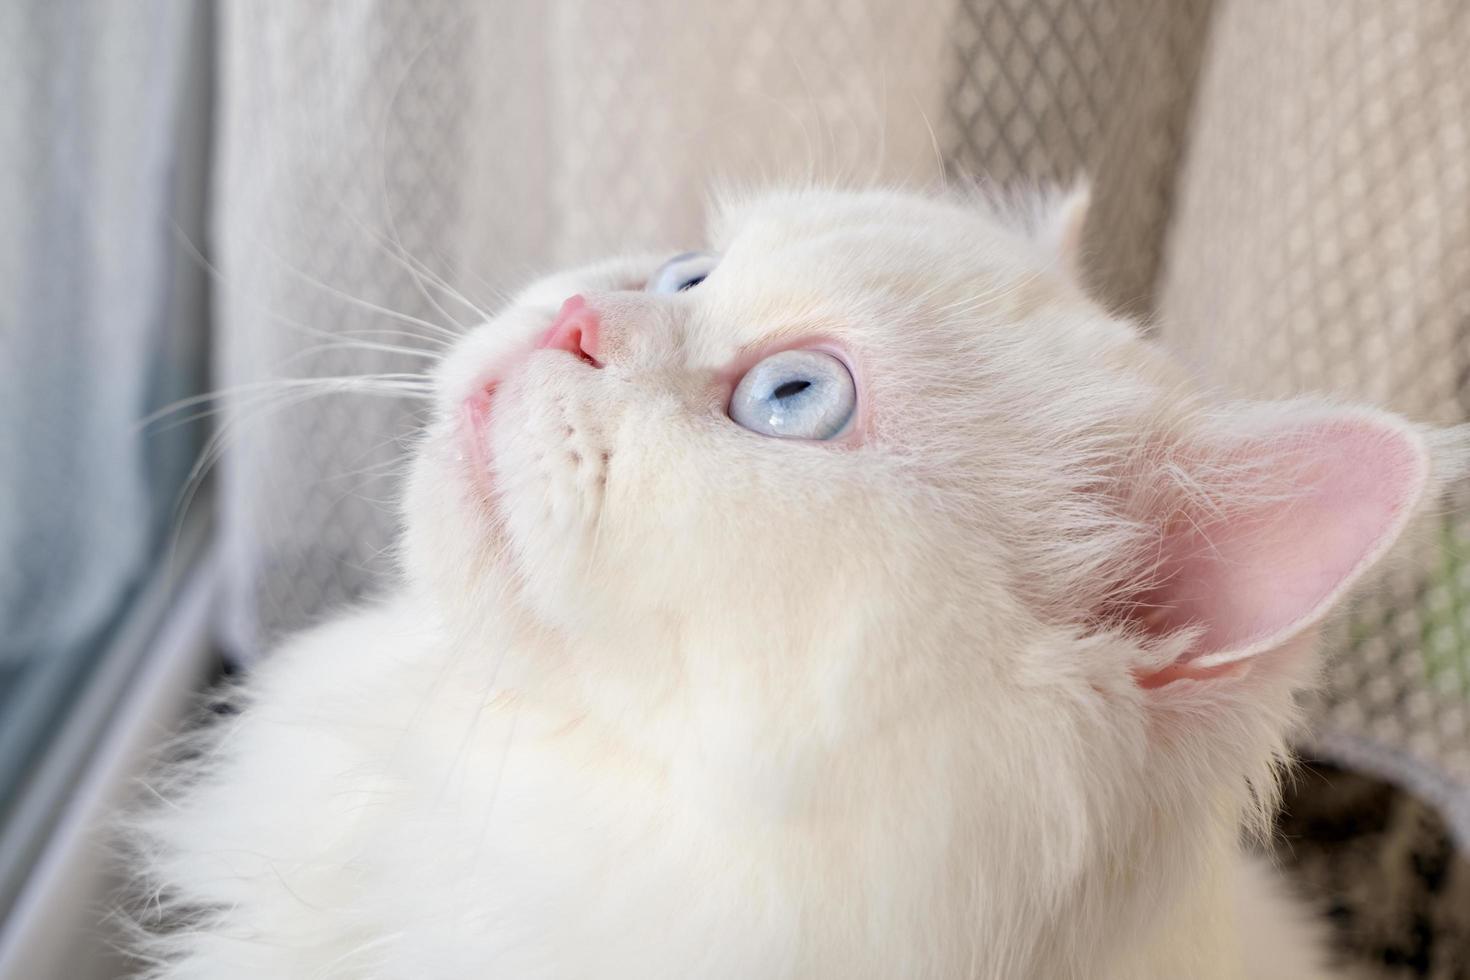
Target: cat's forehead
(828,262)
(875,239)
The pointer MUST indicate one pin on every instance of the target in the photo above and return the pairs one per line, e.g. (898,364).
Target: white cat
(863,602)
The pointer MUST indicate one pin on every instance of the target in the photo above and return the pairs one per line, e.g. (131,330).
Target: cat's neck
(879,843)
(875,812)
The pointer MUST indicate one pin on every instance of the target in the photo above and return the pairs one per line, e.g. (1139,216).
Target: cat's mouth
(520,433)
(475,414)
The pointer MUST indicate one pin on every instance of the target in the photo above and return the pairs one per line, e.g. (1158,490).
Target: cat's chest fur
(379,814)
(431,827)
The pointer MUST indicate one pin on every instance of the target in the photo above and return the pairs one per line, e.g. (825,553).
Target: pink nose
(574,330)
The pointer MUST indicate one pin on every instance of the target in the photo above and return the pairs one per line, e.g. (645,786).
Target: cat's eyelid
(748,356)
(805,334)
(681,273)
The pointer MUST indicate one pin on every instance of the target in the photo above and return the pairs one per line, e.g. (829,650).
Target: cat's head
(869,410)
(875,459)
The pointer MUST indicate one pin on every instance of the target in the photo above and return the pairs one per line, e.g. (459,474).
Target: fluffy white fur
(662,698)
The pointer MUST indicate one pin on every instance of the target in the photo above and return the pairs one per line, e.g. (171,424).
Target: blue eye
(684,271)
(796,394)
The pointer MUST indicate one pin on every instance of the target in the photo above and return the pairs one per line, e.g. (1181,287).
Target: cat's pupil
(692,283)
(790,388)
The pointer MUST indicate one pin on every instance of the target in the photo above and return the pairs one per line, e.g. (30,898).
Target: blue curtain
(102,146)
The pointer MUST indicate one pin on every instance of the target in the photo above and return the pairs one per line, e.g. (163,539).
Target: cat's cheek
(857,433)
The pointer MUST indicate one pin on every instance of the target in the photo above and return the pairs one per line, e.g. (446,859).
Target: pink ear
(1315,503)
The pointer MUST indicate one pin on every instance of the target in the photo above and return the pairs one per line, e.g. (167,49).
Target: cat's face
(640,489)
(870,424)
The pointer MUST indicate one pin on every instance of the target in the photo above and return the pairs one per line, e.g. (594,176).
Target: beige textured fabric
(1056,90)
(1322,243)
